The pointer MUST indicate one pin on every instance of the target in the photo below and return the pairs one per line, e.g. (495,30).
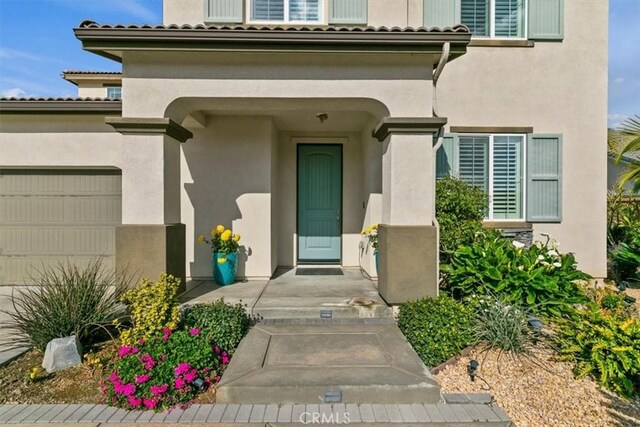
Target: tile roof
(268,28)
(108,73)
(57,99)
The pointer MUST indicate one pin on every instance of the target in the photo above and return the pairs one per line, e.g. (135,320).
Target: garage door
(51,216)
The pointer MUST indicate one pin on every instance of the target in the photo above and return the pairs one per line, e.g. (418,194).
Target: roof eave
(111,42)
(26,106)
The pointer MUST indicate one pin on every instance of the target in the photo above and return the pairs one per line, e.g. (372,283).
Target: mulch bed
(539,391)
(79,384)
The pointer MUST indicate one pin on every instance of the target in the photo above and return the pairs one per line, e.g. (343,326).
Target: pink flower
(205,369)
(124,350)
(182,368)
(150,403)
(135,401)
(217,378)
(148,361)
(225,360)
(129,389)
(216,349)
(159,389)
(191,376)
(141,341)
(142,379)
(114,378)
(134,350)
(179,383)
(194,331)
(163,357)
(118,387)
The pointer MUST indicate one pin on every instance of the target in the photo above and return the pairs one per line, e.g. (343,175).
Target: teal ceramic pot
(375,256)
(225,274)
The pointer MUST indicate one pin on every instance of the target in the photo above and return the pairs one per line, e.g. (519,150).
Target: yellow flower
(220,229)
(375,226)
(226,235)
(236,238)
(222,260)
(33,373)
(369,229)
(214,232)
(201,239)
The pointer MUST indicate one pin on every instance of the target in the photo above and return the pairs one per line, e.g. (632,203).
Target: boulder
(62,353)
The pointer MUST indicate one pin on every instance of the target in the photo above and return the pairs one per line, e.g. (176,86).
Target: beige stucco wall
(227,179)
(92,90)
(399,83)
(556,88)
(57,141)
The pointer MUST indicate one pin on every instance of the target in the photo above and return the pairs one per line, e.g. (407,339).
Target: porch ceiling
(111,41)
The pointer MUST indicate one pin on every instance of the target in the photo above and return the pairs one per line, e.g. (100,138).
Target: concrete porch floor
(290,296)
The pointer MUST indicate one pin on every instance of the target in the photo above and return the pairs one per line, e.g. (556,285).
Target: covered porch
(295,138)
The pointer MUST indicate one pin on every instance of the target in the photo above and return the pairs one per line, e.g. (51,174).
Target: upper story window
(114,92)
(286,11)
(495,18)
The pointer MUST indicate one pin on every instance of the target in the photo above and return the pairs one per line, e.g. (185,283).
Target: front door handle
(338,223)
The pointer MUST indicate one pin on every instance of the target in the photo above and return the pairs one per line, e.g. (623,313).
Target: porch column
(408,235)
(151,239)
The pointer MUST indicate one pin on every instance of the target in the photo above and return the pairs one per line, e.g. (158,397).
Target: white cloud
(616,120)
(619,80)
(7,53)
(14,92)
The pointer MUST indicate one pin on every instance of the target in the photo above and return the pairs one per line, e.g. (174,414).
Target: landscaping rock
(62,353)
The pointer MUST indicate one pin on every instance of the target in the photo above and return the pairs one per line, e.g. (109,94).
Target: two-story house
(299,122)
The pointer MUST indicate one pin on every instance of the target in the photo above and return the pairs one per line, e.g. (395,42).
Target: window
(495,164)
(309,11)
(495,18)
(114,92)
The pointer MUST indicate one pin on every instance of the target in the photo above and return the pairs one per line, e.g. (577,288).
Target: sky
(37,43)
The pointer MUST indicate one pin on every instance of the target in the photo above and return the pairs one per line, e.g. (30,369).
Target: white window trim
(492,24)
(322,4)
(523,178)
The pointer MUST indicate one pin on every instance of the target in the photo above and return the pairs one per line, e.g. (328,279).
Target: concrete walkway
(469,414)
(288,295)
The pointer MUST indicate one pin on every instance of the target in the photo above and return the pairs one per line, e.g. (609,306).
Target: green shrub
(66,300)
(437,329)
(625,259)
(153,306)
(223,323)
(605,347)
(460,209)
(503,326)
(163,372)
(538,277)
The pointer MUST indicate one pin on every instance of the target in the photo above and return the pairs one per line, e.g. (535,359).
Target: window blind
(304,10)
(507,177)
(475,15)
(509,18)
(267,10)
(473,161)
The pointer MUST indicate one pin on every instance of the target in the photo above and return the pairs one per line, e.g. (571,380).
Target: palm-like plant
(629,132)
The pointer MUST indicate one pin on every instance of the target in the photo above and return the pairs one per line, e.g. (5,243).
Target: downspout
(444,58)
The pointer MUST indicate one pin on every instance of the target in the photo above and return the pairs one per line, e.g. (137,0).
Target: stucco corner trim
(408,126)
(491,129)
(149,126)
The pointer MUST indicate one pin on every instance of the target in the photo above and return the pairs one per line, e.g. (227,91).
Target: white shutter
(475,15)
(267,10)
(507,177)
(509,18)
(473,161)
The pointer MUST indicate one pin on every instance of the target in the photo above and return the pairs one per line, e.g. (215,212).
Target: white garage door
(52,216)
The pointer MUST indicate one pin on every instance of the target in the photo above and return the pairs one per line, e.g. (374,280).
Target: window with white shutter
(287,11)
(495,18)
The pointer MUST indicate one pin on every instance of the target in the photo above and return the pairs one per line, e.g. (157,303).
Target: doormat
(319,272)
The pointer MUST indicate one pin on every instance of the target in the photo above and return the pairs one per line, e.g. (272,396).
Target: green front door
(319,203)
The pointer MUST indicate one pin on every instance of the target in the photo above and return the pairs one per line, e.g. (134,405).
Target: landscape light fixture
(472,369)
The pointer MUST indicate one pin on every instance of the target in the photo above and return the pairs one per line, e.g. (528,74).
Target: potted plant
(224,259)
(371,234)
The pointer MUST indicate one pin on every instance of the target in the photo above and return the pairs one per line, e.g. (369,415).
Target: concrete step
(334,361)
(348,311)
